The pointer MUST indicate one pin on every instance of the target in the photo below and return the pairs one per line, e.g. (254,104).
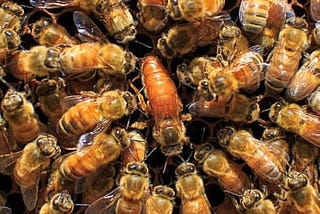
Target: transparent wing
(72,100)
(50,4)
(213,108)
(8,161)
(88,31)
(30,193)
(105,204)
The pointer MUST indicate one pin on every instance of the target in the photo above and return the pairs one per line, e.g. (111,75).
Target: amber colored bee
(315,10)
(165,106)
(114,13)
(38,61)
(198,69)
(50,95)
(152,15)
(136,150)
(5,144)
(215,163)
(315,35)
(190,189)
(301,197)
(258,156)
(285,57)
(262,20)
(254,201)
(11,16)
(46,32)
(294,118)
(9,42)
(161,201)
(306,79)
(60,203)
(183,38)
(104,148)
(193,10)
(20,115)
(90,111)
(245,72)
(304,158)
(129,197)
(275,138)
(314,101)
(29,163)
(237,108)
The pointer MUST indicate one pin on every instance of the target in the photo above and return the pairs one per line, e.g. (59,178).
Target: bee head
(202,152)
(225,135)
(185,168)
(62,202)
(48,146)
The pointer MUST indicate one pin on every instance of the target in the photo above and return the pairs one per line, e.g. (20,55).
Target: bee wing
(72,100)
(7,162)
(86,139)
(30,193)
(105,204)
(5,210)
(79,185)
(88,31)
(310,130)
(203,108)
(242,8)
(50,4)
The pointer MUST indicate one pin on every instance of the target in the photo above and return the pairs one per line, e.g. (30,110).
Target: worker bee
(90,111)
(21,117)
(9,42)
(184,38)
(304,158)
(264,161)
(152,15)
(193,10)
(59,203)
(29,163)
(165,106)
(136,150)
(198,69)
(237,108)
(301,197)
(38,61)
(161,201)
(190,189)
(115,14)
(294,118)
(48,33)
(285,57)
(315,10)
(50,94)
(262,20)
(11,15)
(254,201)
(314,101)
(245,72)
(315,35)
(305,80)
(104,148)
(215,163)
(129,197)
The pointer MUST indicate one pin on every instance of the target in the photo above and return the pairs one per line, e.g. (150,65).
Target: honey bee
(305,80)
(50,94)
(215,163)
(129,197)
(245,72)
(48,33)
(190,189)
(29,163)
(314,101)
(21,117)
(5,144)
(262,20)
(59,203)
(9,42)
(294,118)
(301,196)
(104,148)
(237,108)
(184,38)
(304,158)
(259,157)
(165,106)
(285,57)
(90,111)
(152,15)
(254,201)
(115,14)
(315,10)
(136,150)
(315,35)
(161,201)
(11,15)
(198,69)
(193,10)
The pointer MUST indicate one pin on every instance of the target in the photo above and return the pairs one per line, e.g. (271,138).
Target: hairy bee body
(254,201)
(161,201)
(314,101)
(59,203)
(11,15)
(315,10)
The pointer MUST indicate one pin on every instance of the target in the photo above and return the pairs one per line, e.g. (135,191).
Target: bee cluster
(160,106)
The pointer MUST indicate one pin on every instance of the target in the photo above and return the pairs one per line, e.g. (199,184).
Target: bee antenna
(150,153)
(165,165)
(82,205)
(189,157)
(181,158)
(6,83)
(143,44)
(233,193)
(128,122)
